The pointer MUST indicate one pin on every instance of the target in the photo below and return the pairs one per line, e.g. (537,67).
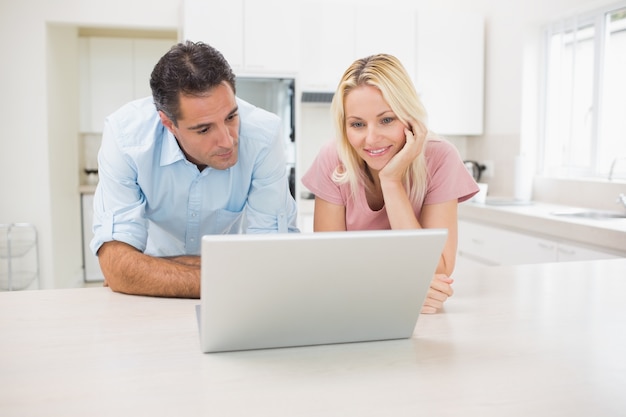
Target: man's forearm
(185,260)
(129,271)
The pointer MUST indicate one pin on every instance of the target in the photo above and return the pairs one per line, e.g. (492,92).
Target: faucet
(613,166)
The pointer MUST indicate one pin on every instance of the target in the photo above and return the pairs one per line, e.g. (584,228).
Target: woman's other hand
(440,290)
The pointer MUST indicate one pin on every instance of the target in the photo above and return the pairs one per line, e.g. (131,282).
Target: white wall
(38,150)
(62,152)
(39,115)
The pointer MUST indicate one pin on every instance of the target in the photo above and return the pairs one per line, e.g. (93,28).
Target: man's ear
(166,121)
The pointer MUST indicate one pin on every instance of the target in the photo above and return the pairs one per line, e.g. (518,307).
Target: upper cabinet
(114,71)
(106,79)
(386,30)
(442,52)
(256,37)
(327,42)
(450,59)
(332,41)
(318,40)
(270,40)
(217,23)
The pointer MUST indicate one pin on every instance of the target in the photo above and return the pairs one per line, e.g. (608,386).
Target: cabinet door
(115,71)
(450,71)
(569,252)
(477,242)
(270,33)
(110,77)
(518,248)
(217,23)
(497,246)
(386,30)
(146,53)
(327,44)
(465,261)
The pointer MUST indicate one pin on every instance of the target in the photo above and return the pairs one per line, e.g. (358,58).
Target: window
(584,125)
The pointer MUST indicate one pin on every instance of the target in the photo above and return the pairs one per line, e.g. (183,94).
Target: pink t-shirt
(448,180)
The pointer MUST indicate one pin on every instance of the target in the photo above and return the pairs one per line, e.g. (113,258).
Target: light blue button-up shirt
(151,197)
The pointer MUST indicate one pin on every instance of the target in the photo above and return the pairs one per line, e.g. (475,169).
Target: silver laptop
(281,290)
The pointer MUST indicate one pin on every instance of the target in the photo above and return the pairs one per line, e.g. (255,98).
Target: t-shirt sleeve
(449,179)
(318,178)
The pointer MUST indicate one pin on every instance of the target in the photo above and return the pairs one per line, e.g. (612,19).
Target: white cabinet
(271,41)
(255,37)
(490,245)
(332,41)
(217,23)
(318,40)
(443,53)
(92,270)
(450,71)
(108,73)
(567,252)
(146,54)
(327,44)
(114,71)
(386,30)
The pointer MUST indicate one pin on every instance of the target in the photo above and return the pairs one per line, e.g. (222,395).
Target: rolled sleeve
(127,226)
(119,204)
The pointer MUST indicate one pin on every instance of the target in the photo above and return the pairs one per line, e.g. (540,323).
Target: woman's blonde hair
(386,73)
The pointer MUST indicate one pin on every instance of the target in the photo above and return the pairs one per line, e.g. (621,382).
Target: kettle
(475,169)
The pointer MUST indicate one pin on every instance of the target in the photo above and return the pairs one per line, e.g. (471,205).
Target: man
(191,160)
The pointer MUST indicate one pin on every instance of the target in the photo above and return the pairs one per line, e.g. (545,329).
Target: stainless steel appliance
(277,95)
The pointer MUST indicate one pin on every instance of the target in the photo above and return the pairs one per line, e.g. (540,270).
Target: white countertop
(545,339)
(536,218)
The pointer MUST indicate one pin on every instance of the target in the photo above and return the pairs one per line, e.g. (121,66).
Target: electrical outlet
(489,169)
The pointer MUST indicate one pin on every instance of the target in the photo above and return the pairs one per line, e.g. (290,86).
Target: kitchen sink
(591,214)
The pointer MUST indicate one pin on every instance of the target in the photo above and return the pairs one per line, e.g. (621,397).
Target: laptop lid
(280,290)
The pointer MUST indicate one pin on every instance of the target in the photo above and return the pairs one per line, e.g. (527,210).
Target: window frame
(597,18)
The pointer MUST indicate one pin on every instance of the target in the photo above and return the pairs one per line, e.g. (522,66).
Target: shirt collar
(170,151)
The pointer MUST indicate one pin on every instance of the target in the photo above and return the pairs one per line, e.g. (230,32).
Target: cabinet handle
(546,246)
(567,251)
(478,241)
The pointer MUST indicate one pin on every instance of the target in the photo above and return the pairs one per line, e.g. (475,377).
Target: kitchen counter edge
(536,218)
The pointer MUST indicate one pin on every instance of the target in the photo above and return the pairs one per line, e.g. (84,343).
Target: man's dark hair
(190,68)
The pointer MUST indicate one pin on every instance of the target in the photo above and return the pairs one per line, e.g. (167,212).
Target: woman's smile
(377,152)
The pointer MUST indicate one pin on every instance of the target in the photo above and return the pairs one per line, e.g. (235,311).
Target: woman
(386,171)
